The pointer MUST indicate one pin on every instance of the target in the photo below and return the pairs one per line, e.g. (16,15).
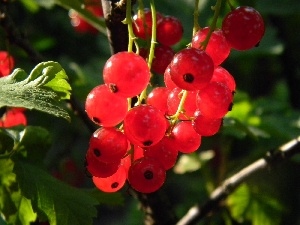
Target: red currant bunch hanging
(143,128)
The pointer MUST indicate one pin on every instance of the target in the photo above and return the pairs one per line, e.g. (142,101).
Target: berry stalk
(196,26)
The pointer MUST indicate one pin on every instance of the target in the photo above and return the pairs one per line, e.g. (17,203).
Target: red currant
(169,31)
(97,168)
(222,75)
(112,183)
(206,126)
(163,55)
(243,28)
(146,175)
(158,98)
(217,47)
(187,139)
(108,144)
(142,27)
(80,24)
(104,107)
(144,125)
(7,63)
(191,69)
(167,79)
(214,100)
(164,151)
(126,74)
(13,118)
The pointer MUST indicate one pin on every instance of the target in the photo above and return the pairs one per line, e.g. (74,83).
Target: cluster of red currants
(139,144)
(10,116)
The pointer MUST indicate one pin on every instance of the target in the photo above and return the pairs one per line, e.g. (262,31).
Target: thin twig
(197,212)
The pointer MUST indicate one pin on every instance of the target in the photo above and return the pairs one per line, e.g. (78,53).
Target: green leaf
(249,204)
(42,89)
(60,203)
(6,142)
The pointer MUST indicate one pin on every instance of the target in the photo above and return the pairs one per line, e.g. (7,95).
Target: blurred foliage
(265,115)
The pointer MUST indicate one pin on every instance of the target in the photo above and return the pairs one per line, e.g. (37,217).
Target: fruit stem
(230,5)
(180,107)
(213,24)
(153,34)
(196,26)
(128,21)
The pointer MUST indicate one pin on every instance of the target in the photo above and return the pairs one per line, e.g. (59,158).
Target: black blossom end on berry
(188,77)
(113,88)
(114,185)
(97,152)
(148,175)
(147,143)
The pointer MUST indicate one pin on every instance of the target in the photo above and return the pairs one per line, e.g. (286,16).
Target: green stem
(213,24)
(196,26)
(128,21)
(153,34)
(180,107)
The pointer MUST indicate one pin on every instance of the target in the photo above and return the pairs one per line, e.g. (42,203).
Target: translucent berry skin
(188,140)
(112,183)
(191,69)
(206,126)
(146,175)
(98,168)
(158,98)
(108,144)
(126,73)
(189,106)
(7,63)
(168,80)
(217,48)
(142,28)
(243,28)
(222,75)
(104,107)
(169,31)
(214,100)
(164,151)
(163,55)
(144,125)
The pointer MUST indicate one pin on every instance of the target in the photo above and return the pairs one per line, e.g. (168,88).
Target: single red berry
(206,126)
(222,75)
(126,74)
(243,28)
(142,23)
(104,107)
(169,31)
(187,139)
(146,175)
(112,183)
(217,47)
(144,125)
(158,98)
(163,55)
(108,144)
(13,118)
(165,151)
(191,69)
(214,100)
(7,63)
